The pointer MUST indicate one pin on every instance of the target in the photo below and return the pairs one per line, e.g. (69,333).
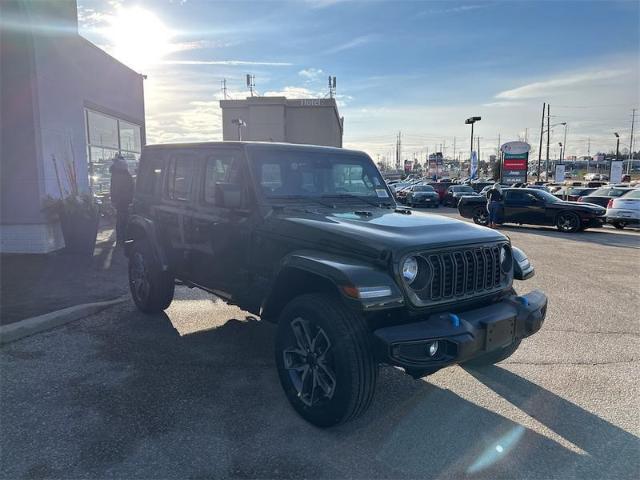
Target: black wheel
(494,356)
(568,222)
(619,225)
(481,217)
(151,288)
(324,359)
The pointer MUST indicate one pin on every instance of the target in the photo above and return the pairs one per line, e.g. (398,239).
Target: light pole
(561,152)
(471,121)
(617,145)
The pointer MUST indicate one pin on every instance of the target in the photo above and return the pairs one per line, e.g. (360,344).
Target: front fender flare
(346,272)
(140,226)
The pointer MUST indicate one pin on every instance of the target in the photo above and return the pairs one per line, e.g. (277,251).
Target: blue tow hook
(523,300)
(455,320)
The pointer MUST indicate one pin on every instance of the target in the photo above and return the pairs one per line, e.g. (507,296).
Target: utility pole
(454,149)
(478,139)
(630,159)
(548,140)
(544,106)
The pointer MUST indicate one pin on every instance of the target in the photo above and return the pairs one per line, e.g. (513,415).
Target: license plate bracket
(500,333)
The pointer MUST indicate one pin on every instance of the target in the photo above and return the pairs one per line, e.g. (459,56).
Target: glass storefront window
(107,136)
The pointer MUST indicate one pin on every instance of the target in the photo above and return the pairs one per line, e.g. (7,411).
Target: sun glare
(138,37)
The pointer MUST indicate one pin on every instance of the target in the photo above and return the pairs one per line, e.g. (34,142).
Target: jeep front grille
(462,273)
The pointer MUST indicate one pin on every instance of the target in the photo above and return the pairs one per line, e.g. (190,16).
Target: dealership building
(314,121)
(66,106)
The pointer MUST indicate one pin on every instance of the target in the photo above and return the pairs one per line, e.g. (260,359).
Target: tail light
(581,199)
(610,204)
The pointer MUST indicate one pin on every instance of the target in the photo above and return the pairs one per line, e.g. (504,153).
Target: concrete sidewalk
(34,285)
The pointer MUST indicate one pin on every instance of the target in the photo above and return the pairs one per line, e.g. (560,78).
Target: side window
(179,178)
(222,167)
(515,196)
(149,174)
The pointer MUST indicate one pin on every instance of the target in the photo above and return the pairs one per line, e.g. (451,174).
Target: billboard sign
(515,162)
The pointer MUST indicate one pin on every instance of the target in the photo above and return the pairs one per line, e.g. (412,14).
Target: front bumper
(461,336)
(426,200)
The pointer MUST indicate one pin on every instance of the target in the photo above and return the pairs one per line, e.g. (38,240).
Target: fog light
(433,348)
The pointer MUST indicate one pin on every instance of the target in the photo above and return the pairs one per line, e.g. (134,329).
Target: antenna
(251,82)
(332,86)
(224,88)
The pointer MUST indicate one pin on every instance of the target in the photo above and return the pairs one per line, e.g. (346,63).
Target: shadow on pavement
(148,403)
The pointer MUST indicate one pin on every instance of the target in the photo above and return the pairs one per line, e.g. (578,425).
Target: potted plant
(77,212)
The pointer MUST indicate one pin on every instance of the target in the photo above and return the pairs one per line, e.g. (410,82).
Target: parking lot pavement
(193,393)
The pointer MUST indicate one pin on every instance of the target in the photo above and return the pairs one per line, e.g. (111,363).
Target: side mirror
(522,268)
(229,195)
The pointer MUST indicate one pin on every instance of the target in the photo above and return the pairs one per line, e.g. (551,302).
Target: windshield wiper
(358,197)
(303,197)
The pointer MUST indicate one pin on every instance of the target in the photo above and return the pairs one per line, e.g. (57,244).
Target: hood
(378,230)
(590,207)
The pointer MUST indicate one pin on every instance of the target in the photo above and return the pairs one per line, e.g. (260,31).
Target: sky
(416,67)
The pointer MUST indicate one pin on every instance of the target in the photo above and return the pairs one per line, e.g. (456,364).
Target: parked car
(535,207)
(423,195)
(455,192)
(624,211)
(573,193)
(310,238)
(601,196)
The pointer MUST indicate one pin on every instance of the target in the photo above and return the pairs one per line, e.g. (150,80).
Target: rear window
(423,188)
(632,194)
(601,192)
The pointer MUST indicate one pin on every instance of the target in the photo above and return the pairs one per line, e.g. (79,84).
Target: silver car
(625,210)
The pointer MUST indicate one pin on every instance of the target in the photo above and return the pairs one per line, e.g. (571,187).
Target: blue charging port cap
(455,320)
(523,300)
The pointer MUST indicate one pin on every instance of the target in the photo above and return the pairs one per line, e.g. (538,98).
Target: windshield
(423,188)
(462,189)
(290,173)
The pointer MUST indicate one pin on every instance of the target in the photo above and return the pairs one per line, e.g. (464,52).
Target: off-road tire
(349,358)
(494,356)
(158,292)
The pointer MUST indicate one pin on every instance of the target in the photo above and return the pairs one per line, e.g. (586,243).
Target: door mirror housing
(522,268)
(229,195)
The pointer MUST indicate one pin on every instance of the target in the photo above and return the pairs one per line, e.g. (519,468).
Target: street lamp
(240,123)
(617,145)
(561,152)
(471,121)
(548,131)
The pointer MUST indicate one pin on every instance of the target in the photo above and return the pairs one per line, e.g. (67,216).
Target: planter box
(79,233)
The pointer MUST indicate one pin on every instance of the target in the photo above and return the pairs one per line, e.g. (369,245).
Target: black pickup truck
(535,207)
(311,238)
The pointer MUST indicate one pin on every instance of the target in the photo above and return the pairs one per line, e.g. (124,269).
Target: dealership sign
(615,175)
(515,162)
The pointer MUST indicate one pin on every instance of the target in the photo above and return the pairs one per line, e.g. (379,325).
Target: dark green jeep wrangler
(310,238)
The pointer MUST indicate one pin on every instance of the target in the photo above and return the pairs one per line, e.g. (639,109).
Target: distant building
(62,97)
(314,121)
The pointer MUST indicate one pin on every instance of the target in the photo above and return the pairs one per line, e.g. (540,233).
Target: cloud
(545,88)
(458,9)
(356,42)
(310,73)
(233,63)
(323,3)
(293,92)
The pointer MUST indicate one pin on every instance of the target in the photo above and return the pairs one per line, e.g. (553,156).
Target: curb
(31,326)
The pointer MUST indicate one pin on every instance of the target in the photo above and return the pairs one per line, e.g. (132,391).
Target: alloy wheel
(567,222)
(308,362)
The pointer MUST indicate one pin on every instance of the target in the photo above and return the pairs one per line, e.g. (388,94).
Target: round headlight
(410,269)
(506,259)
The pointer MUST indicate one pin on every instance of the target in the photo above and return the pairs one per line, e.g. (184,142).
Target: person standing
(121,195)
(494,201)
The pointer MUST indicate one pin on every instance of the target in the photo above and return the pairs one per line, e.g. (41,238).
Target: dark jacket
(121,185)
(494,195)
